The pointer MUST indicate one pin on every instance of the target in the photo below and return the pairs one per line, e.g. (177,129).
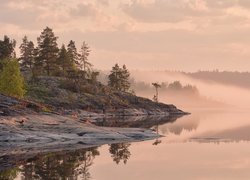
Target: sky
(181,35)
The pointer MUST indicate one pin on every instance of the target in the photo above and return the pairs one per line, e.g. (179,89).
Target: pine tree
(125,84)
(114,78)
(84,64)
(38,68)
(47,51)
(7,48)
(157,86)
(72,53)
(119,78)
(11,80)
(64,60)
(27,57)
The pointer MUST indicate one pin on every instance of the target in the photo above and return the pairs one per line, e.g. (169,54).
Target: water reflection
(74,164)
(60,165)
(136,121)
(183,124)
(210,150)
(120,152)
(236,134)
(208,127)
(63,165)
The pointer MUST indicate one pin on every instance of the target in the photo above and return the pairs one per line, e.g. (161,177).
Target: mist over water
(219,95)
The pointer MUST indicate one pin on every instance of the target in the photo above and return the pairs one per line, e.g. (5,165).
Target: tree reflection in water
(120,152)
(157,141)
(62,165)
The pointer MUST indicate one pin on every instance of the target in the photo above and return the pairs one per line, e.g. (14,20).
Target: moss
(46,109)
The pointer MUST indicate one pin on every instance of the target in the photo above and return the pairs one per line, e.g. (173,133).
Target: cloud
(170,49)
(244,3)
(181,34)
(103,2)
(18,15)
(158,11)
(165,10)
(34,15)
(84,10)
(220,4)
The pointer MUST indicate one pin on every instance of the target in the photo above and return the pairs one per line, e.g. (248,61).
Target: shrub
(11,80)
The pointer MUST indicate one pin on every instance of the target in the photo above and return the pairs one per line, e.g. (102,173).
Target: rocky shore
(43,133)
(28,127)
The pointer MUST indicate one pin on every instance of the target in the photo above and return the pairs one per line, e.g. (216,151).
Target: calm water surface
(204,145)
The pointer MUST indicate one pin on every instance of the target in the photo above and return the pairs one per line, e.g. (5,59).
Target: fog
(215,94)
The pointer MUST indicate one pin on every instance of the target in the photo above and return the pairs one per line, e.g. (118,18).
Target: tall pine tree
(84,64)
(125,84)
(27,56)
(64,60)
(119,78)
(72,53)
(47,51)
(114,78)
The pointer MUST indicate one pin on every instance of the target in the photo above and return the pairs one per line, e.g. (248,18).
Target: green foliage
(79,86)
(80,81)
(46,109)
(27,58)
(72,53)
(125,78)
(11,80)
(119,78)
(47,51)
(38,91)
(7,48)
(114,77)
(9,174)
(64,61)
(76,79)
(48,59)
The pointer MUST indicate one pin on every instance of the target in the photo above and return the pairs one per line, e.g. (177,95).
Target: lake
(208,144)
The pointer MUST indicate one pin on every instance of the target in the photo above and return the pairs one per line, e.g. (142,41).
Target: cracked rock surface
(45,133)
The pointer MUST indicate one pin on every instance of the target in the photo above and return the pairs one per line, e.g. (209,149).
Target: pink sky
(187,35)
